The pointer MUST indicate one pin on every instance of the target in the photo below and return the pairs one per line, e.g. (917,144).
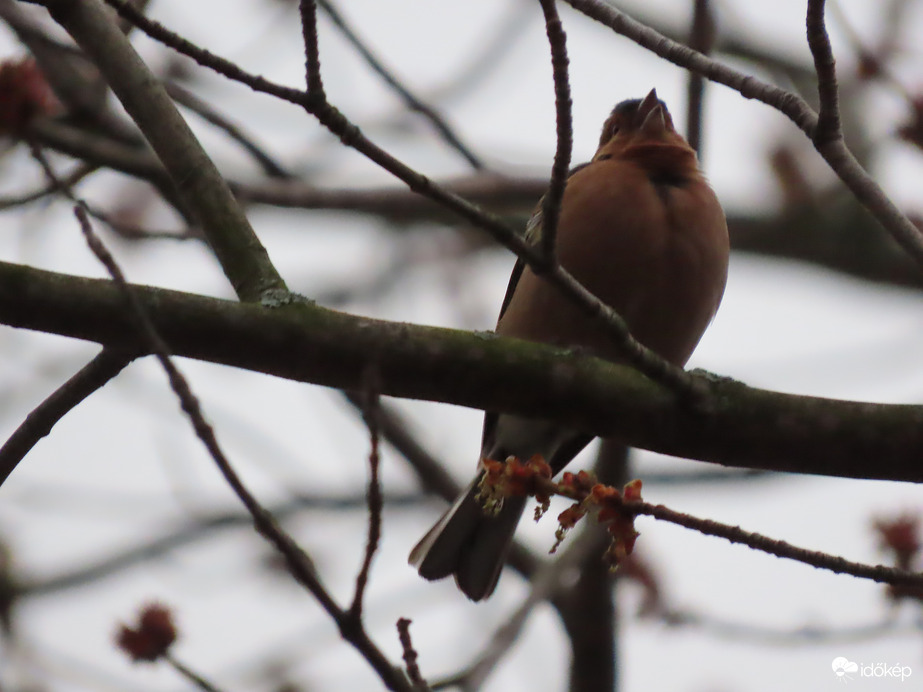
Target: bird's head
(641,130)
(636,122)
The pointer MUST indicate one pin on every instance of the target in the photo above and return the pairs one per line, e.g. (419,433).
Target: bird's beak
(651,116)
(647,105)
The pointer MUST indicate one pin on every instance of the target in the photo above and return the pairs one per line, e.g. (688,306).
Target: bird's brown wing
(533,235)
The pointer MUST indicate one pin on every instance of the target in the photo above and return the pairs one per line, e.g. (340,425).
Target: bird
(642,229)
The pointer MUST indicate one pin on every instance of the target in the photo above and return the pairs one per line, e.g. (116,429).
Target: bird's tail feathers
(468,543)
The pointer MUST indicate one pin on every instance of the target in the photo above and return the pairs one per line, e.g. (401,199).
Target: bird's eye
(615,130)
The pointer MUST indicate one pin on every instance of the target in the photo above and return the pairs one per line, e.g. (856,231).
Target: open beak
(647,105)
(650,115)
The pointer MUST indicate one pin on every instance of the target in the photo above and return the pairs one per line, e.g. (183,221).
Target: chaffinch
(640,228)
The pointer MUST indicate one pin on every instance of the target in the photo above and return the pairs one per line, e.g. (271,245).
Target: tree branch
(297,561)
(741,426)
(243,258)
(92,376)
(835,153)
(413,102)
(551,202)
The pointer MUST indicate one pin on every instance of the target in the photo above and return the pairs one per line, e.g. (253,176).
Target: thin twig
(104,367)
(94,375)
(175,538)
(410,656)
(835,153)
(299,564)
(193,677)
(544,585)
(242,256)
(412,101)
(551,203)
(712,626)
(371,416)
(585,494)
(63,186)
(207,112)
(783,549)
(71,179)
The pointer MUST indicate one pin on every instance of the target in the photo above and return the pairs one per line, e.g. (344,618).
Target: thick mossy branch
(735,425)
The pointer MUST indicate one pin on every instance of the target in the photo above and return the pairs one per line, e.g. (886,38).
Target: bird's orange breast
(655,251)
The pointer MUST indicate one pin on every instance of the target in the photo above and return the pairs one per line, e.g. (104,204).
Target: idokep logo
(846,670)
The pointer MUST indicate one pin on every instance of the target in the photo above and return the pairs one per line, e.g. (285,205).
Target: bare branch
(741,426)
(187,672)
(828,121)
(299,564)
(316,104)
(91,377)
(410,656)
(243,258)
(551,203)
(186,98)
(835,153)
(413,102)
(545,585)
(719,628)
(177,537)
(79,173)
(783,549)
(371,416)
(308,10)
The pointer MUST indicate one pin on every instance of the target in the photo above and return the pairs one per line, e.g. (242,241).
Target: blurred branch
(730,43)
(492,190)
(94,375)
(243,258)
(101,151)
(74,79)
(195,678)
(297,561)
(701,39)
(502,36)
(412,102)
(207,112)
(781,636)
(174,538)
(839,235)
(545,585)
(80,172)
